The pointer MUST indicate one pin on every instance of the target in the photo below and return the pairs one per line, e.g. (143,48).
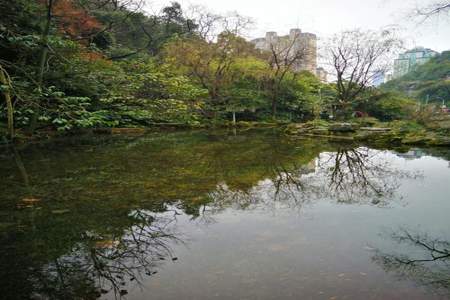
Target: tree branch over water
(434,9)
(425,259)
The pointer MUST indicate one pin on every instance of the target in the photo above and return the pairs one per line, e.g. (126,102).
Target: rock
(376,129)
(320,131)
(342,127)
(367,121)
(312,127)
(299,128)
(412,139)
(380,137)
(245,124)
(438,125)
(376,201)
(440,140)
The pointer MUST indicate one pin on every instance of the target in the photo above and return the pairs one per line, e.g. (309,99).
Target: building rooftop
(420,49)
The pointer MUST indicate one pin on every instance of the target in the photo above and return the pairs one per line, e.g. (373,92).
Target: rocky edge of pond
(434,132)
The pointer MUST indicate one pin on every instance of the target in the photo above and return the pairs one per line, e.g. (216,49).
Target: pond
(223,215)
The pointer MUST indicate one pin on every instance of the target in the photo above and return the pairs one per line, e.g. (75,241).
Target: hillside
(429,81)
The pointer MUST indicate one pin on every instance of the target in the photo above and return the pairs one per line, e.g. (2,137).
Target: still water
(223,215)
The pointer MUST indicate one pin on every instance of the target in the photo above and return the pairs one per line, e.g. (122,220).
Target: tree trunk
(274,99)
(42,61)
(4,80)
(274,108)
(234,118)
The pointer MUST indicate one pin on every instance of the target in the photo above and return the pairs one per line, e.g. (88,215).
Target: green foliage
(404,126)
(130,69)
(135,31)
(388,106)
(428,82)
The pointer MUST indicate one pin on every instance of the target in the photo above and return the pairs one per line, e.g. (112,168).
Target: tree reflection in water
(349,175)
(360,175)
(99,247)
(423,259)
(100,264)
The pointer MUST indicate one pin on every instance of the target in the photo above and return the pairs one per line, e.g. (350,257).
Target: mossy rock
(416,139)
(439,140)
(245,124)
(293,128)
(318,123)
(302,128)
(366,122)
(378,137)
(364,135)
(320,131)
(405,126)
(442,125)
(343,127)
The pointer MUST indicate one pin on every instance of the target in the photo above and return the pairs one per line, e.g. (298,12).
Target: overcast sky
(325,17)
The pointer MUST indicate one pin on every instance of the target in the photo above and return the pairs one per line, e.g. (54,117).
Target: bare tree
(423,258)
(436,8)
(210,25)
(285,56)
(357,57)
(205,20)
(100,264)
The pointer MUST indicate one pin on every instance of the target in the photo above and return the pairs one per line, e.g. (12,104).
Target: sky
(326,17)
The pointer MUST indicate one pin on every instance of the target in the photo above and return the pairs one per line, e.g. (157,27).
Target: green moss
(439,140)
(405,126)
(415,139)
(318,123)
(366,122)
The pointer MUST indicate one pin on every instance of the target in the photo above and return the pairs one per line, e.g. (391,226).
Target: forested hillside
(70,64)
(74,64)
(430,81)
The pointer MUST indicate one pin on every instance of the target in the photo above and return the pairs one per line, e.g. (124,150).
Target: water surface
(225,215)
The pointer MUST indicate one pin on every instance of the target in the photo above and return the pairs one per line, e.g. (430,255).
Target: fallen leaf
(30,200)
(106,244)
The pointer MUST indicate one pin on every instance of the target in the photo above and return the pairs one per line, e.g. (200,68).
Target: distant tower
(304,41)
(309,63)
(295,34)
(271,38)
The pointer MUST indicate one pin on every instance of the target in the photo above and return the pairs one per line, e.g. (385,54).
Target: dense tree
(428,82)
(357,57)
(282,60)
(69,64)
(213,64)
